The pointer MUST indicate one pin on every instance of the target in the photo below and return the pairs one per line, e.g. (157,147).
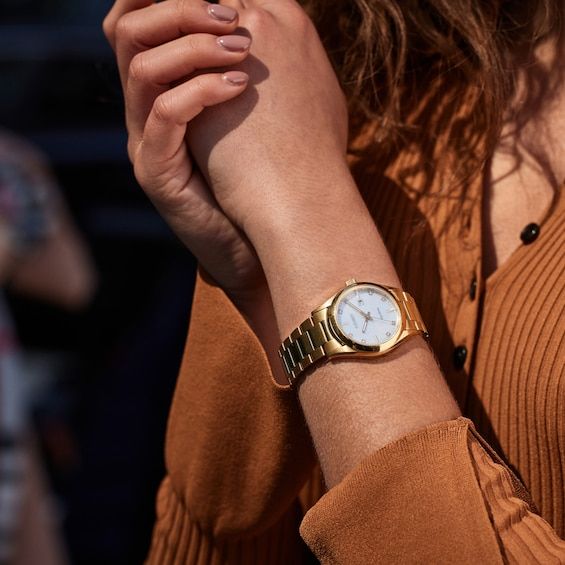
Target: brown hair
(389,53)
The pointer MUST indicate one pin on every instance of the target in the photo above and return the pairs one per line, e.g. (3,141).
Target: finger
(123,7)
(152,72)
(162,149)
(160,23)
(177,59)
(120,8)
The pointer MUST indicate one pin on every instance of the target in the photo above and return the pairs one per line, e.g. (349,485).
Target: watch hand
(355,308)
(391,322)
(365,325)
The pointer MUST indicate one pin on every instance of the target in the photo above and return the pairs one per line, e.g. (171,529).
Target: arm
(304,267)
(433,493)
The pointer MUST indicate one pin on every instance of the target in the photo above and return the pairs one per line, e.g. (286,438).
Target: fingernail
(222,13)
(236,78)
(234,42)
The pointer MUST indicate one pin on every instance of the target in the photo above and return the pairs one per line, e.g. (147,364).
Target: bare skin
(527,168)
(244,147)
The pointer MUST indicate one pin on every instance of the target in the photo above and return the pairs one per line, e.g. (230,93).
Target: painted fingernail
(235,42)
(222,13)
(236,78)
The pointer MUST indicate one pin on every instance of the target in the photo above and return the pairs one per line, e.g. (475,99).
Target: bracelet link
(303,347)
(413,316)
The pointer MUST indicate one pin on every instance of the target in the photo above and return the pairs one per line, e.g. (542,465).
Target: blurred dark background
(101,420)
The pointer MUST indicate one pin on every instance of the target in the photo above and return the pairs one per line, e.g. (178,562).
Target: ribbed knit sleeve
(437,496)
(178,538)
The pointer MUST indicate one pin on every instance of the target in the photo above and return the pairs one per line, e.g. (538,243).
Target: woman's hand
(171,58)
(264,151)
(260,151)
(273,153)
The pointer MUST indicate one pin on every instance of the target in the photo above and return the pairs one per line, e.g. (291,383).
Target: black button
(459,357)
(473,289)
(529,234)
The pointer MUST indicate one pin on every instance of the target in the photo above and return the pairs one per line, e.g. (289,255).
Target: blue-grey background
(102,424)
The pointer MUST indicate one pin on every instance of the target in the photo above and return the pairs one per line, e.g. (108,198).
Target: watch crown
(350,282)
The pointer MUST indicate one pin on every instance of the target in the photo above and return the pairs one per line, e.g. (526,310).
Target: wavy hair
(389,53)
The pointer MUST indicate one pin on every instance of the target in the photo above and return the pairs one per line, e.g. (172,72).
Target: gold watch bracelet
(313,340)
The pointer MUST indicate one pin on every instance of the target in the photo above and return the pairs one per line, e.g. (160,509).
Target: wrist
(275,201)
(309,251)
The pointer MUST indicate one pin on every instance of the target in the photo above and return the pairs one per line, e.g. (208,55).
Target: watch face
(367,315)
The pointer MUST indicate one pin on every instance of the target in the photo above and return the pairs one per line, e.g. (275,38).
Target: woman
(455,157)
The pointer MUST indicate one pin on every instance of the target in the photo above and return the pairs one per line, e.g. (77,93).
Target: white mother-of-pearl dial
(368,315)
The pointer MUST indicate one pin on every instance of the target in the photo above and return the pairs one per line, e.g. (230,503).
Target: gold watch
(362,319)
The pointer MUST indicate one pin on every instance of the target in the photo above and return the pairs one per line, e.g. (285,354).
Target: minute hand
(364,314)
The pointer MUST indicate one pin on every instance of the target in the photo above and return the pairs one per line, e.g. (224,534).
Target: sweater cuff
(414,500)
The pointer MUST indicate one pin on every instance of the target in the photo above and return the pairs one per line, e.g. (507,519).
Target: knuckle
(125,29)
(163,108)
(298,12)
(138,68)
(194,42)
(295,15)
(256,19)
(181,7)
(300,20)
(200,89)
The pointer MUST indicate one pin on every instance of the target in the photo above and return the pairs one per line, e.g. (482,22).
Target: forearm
(352,407)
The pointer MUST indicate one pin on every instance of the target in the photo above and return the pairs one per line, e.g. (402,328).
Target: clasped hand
(231,109)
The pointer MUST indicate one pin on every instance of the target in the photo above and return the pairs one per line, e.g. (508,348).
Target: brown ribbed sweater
(242,474)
